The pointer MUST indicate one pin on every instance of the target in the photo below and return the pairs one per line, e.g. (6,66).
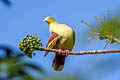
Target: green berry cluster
(28,44)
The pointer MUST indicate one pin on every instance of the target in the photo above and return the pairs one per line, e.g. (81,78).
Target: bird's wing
(54,38)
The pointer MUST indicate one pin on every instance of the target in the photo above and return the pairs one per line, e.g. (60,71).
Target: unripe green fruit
(27,35)
(29,43)
(106,40)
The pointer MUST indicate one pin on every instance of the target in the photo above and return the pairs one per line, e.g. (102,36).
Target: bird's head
(49,20)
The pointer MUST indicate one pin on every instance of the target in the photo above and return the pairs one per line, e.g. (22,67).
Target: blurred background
(21,17)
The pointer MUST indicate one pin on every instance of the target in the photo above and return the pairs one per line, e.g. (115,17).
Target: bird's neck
(53,23)
(52,26)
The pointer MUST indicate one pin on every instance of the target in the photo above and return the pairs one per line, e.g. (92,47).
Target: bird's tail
(46,53)
(58,62)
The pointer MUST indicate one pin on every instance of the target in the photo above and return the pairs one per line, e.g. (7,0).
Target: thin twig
(83,52)
(93,28)
(108,16)
(104,19)
(106,44)
(98,19)
(115,39)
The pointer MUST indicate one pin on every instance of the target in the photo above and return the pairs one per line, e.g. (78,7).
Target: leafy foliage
(12,65)
(108,30)
(28,44)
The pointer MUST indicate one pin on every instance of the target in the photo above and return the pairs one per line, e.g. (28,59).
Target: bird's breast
(66,34)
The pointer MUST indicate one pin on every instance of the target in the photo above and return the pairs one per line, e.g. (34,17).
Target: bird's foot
(60,51)
(67,52)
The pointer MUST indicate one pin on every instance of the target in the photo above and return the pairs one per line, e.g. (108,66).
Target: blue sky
(26,17)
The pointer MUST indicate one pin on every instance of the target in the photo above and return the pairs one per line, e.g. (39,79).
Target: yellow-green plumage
(66,37)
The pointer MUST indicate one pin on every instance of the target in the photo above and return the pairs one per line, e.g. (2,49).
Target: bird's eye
(50,17)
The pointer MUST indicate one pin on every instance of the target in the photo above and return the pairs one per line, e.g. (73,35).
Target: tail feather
(46,53)
(58,62)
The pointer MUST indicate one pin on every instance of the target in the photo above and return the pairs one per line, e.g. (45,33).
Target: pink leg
(67,52)
(60,51)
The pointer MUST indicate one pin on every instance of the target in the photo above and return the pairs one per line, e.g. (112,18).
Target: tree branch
(117,40)
(82,52)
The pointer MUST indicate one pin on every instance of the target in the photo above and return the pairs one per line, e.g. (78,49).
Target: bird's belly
(63,44)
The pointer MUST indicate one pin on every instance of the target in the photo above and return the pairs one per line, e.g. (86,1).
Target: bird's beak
(44,20)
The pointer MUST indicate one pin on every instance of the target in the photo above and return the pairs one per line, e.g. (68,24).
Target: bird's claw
(60,51)
(67,52)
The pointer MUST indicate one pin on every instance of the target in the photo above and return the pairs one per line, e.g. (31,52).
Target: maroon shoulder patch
(53,35)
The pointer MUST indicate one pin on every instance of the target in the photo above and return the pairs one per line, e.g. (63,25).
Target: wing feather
(52,41)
